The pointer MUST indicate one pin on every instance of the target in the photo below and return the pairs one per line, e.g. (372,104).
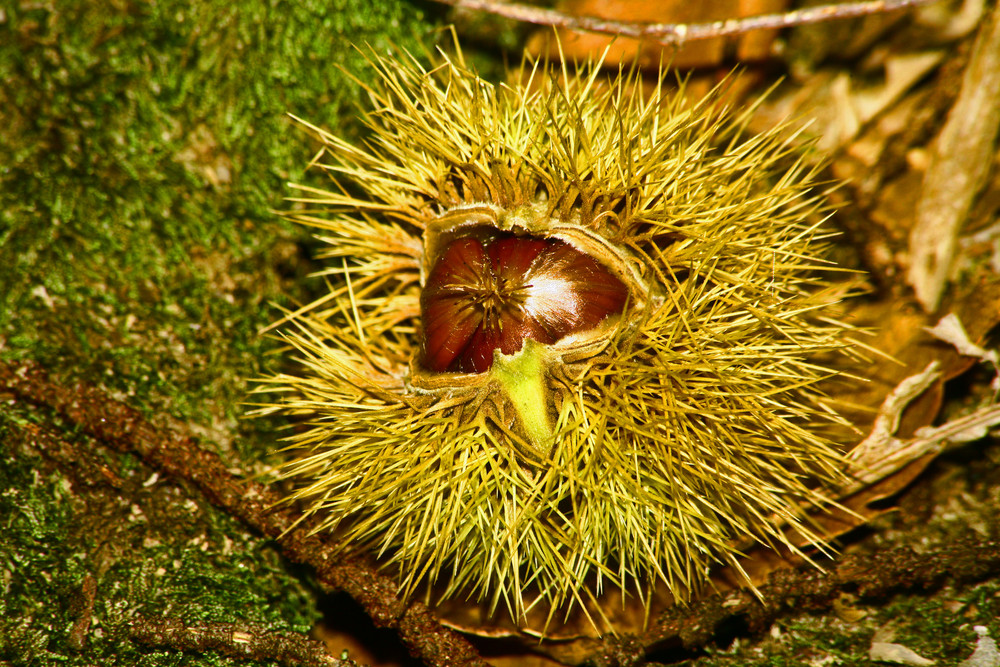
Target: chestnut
(493,294)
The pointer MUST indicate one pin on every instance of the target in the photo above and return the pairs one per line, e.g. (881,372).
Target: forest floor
(147,153)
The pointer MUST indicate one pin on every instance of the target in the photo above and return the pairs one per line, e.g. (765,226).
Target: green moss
(144,147)
(149,143)
(150,550)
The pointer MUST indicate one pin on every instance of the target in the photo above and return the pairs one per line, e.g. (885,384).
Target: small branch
(249,641)
(675,34)
(117,425)
(871,576)
(84,613)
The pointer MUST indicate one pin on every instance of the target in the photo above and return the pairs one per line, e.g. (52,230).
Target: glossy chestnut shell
(486,294)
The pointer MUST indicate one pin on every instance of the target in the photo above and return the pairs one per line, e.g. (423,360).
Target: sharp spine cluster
(638,452)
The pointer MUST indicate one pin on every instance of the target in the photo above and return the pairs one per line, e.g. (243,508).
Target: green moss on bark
(144,146)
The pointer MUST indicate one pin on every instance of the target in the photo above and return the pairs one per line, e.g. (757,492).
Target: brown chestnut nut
(493,295)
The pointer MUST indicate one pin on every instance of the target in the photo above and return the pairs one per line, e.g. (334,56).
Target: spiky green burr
(641,448)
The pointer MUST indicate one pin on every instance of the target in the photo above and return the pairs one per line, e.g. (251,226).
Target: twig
(251,641)
(675,34)
(117,425)
(871,576)
(84,613)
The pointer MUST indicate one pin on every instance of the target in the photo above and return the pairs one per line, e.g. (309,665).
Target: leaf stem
(522,377)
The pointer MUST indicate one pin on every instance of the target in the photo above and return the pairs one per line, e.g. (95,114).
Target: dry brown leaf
(960,161)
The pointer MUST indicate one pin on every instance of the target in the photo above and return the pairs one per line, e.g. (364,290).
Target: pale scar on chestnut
(493,294)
